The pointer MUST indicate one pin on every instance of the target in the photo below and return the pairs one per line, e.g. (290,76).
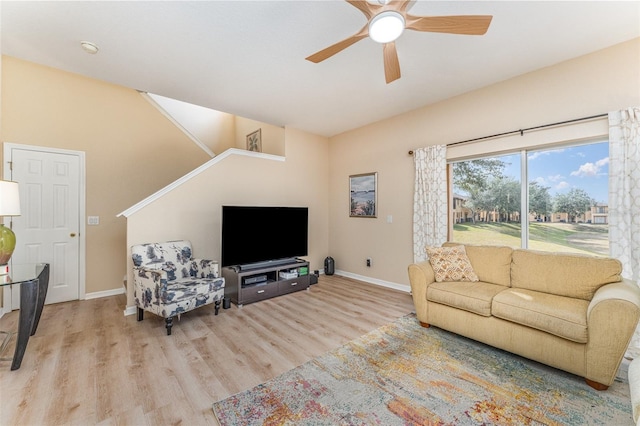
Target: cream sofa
(568,311)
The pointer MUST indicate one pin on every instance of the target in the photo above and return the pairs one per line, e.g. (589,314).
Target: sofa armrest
(148,286)
(612,317)
(205,268)
(624,290)
(421,275)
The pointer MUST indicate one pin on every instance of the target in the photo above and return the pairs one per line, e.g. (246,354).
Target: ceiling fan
(387,21)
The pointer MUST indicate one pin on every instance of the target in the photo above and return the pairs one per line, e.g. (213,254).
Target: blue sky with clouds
(561,169)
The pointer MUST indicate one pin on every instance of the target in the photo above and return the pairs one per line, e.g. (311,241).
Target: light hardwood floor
(89,364)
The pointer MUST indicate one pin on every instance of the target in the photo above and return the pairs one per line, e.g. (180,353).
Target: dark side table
(33,280)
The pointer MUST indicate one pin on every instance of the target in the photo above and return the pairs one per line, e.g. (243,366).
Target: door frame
(7,173)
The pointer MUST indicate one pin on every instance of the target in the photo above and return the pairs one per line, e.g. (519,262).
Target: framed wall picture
(254,141)
(363,195)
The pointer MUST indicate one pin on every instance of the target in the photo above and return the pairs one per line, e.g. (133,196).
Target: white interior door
(48,229)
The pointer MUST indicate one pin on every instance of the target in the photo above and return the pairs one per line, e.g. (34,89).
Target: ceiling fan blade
(391,63)
(369,9)
(405,5)
(462,24)
(339,46)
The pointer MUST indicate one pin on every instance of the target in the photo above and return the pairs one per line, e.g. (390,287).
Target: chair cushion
(190,288)
(175,258)
(180,296)
(565,317)
(195,268)
(470,296)
(171,256)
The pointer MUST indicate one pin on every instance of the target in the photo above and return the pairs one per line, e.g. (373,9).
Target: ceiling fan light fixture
(386,27)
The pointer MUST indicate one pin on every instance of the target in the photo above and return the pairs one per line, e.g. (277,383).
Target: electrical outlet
(368,261)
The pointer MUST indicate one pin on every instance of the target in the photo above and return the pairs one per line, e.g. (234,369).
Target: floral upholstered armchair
(168,281)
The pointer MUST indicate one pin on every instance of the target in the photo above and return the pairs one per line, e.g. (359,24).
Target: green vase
(7,244)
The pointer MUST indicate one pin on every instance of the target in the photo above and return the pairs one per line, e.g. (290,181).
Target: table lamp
(9,206)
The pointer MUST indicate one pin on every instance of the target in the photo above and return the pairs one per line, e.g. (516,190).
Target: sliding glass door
(547,199)
(569,207)
(486,197)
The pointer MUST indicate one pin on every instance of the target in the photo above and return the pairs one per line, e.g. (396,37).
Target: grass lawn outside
(555,237)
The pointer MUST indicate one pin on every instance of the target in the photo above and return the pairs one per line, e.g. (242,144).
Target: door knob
(73,234)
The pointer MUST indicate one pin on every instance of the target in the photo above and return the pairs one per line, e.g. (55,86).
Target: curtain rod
(521,131)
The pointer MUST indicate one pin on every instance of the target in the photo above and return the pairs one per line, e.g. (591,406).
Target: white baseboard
(106,293)
(375,281)
(130,310)
(87,296)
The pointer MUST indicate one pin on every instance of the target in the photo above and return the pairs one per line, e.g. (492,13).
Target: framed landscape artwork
(254,141)
(363,190)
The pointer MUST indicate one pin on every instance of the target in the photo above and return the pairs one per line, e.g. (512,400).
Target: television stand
(248,285)
(266,264)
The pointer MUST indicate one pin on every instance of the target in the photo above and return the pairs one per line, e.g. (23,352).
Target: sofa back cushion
(492,264)
(570,275)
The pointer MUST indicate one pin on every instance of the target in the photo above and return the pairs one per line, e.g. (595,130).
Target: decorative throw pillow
(451,264)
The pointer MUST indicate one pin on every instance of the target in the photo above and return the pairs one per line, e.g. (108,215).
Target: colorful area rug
(404,374)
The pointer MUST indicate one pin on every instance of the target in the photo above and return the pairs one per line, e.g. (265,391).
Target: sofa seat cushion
(565,317)
(470,296)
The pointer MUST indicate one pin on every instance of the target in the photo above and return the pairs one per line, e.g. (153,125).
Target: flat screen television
(259,236)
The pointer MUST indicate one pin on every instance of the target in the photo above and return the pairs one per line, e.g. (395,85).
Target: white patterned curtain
(430,210)
(624,197)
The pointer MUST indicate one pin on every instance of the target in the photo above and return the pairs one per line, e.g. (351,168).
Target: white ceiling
(247,57)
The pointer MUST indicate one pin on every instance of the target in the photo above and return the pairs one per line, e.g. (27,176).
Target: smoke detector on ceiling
(89,47)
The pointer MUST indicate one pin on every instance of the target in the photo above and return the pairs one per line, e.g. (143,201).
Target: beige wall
(131,149)
(272,136)
(131,153)
(300,180)
(597,83)
(214,129)
(217,130)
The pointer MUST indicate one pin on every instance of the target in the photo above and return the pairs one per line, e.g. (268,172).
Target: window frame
(524,188)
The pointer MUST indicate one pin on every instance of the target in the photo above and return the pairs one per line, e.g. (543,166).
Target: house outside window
(599,214)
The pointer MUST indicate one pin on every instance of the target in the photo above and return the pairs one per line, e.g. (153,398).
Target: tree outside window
(567,194)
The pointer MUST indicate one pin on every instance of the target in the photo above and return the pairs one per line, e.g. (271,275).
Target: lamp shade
(9,198)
